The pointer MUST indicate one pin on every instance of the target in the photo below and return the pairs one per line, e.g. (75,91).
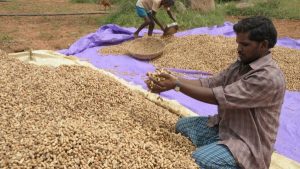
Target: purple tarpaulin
(134,71)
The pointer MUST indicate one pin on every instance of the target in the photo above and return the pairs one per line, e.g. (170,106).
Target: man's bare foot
(136,35)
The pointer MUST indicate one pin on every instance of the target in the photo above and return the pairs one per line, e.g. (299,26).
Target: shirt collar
(261,61)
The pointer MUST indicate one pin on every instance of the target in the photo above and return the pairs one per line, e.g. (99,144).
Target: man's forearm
(191,82)
(196,91)
(158,23)
(171,16)
(153,16)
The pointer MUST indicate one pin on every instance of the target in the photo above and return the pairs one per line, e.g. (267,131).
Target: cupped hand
(162,82)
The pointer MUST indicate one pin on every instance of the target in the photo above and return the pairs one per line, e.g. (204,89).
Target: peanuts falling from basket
(171,29)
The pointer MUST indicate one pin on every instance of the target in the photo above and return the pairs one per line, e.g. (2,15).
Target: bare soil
(45,32)
(58,32)
(285,27)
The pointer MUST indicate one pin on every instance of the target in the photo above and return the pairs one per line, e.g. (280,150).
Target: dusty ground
(285,27)
(46,32)
(58,32)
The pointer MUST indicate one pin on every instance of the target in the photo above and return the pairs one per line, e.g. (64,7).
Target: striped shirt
(250,99)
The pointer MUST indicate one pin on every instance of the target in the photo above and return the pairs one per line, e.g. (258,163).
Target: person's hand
(163,28)
(153,87)
(160,82)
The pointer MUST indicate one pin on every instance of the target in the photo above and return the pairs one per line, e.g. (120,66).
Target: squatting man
(249,95)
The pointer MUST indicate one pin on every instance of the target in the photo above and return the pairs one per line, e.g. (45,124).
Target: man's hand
(160,82)
(165,30)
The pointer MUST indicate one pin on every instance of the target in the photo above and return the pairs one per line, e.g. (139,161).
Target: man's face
(248,50)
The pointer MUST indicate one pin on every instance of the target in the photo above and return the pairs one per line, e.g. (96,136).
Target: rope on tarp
(57,14)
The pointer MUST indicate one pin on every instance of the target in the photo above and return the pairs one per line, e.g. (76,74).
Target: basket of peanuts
(146,48)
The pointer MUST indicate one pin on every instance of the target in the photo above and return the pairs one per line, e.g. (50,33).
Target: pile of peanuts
(75,117)
(145,45)
(198,52)
(289,62)
(120,49)
(214,54)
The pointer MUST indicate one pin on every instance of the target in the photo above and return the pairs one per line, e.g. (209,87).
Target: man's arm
(197,91)
(191,82)
(170,15)
(190,88)
(153,16)
(201,89)
(216,80)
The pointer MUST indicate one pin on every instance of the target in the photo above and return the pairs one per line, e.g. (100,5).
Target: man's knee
(148,20)
(186,123)
(180,125)
(196,129)
(214,156)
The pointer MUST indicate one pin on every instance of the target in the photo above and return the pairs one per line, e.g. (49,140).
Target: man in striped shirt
(249,95)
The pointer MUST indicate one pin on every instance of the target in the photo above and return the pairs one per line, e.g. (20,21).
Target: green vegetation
(283,9)
(5,38)
(126,15)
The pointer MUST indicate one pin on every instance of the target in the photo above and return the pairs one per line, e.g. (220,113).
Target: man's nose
(239,48)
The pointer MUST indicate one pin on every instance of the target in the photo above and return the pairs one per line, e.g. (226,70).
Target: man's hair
(260,28)
(168,2)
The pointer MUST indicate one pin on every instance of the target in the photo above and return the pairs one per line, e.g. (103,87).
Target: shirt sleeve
(215,81)
(258,89)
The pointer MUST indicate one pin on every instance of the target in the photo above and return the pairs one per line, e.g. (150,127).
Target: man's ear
(265,44)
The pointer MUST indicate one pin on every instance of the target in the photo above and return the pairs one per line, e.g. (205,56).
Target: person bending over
(147,10)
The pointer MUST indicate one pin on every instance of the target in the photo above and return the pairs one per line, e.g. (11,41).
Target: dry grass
(75,117)
(214,53)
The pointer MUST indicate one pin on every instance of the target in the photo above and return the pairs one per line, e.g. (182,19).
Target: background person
(147,10)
